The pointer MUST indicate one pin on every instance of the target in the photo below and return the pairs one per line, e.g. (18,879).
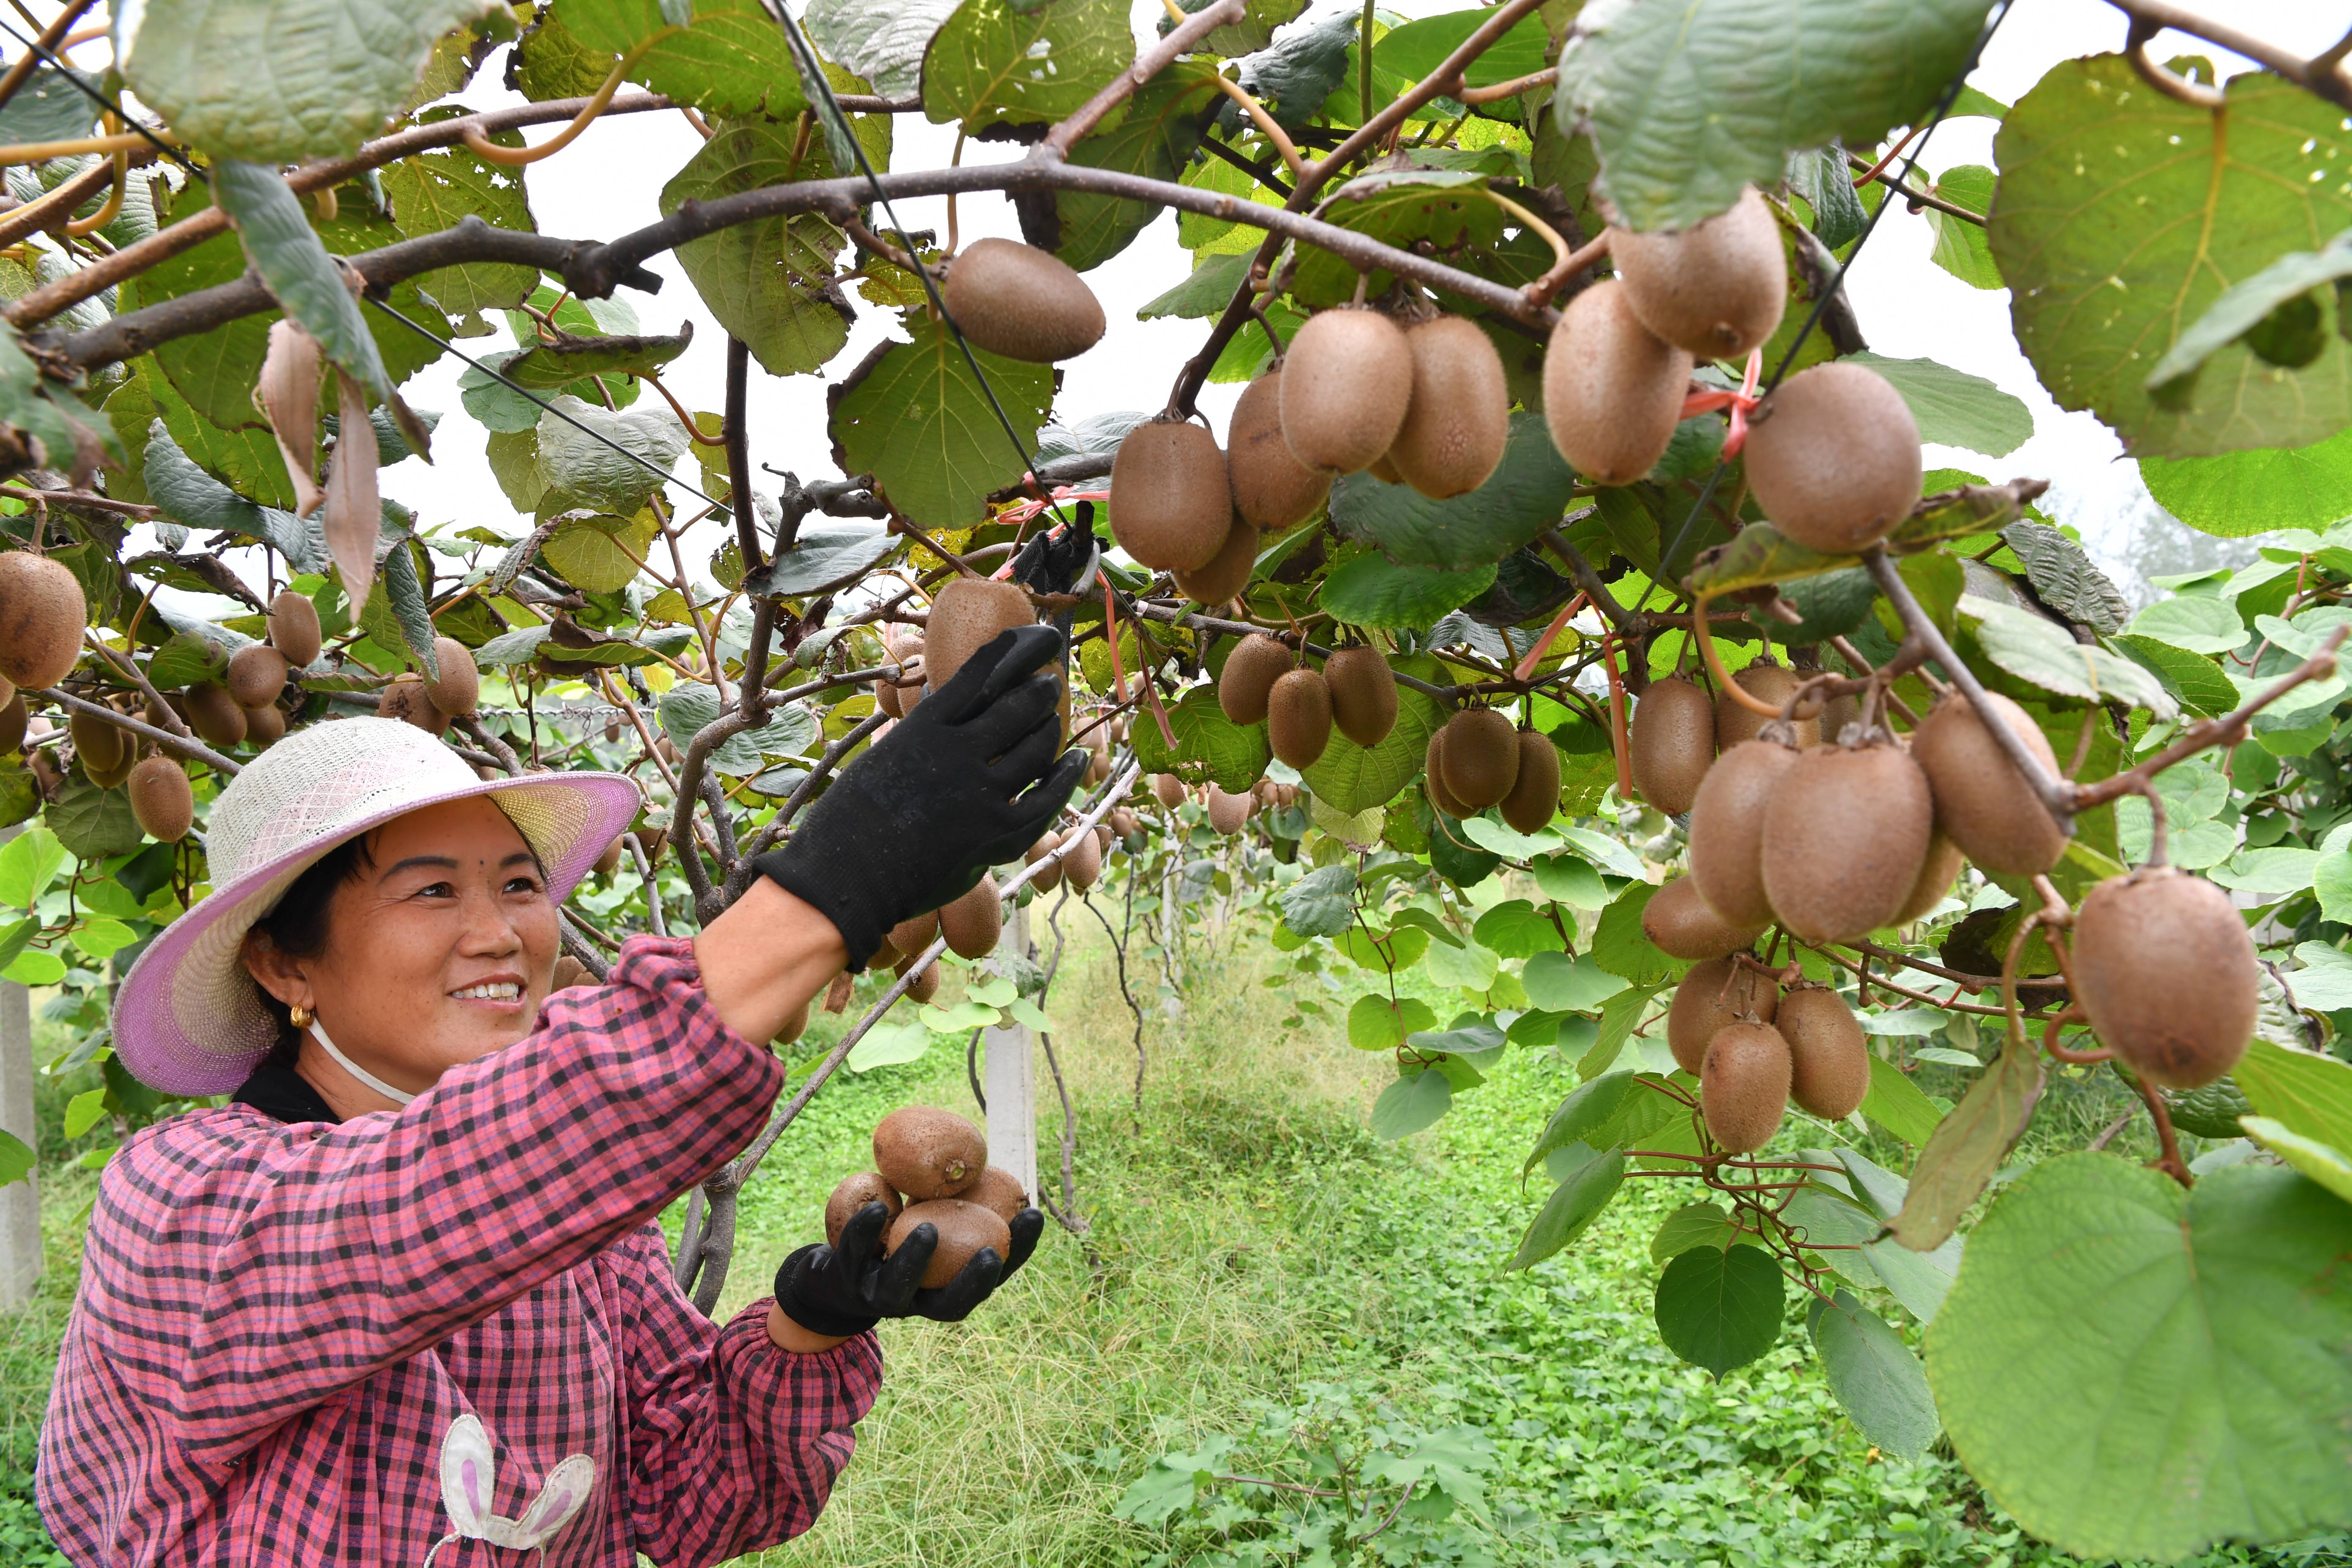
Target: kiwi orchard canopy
(1564,646)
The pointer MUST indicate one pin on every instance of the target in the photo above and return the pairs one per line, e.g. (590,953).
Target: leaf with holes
(769,282)
(732,58)
(2235,314)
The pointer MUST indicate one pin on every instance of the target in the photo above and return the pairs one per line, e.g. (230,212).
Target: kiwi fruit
(14,719)
(1982,803)
(1171,503)
(569,972)
(1534,799)
(853,1193)
(923,985)
(101,748)
(1434,779)
(1122,823)
(1298,717)
(213,714)
(1167,788)
(965,1230)
(610,861)
(886,697)
(1385,470)
(1481,757)
(1829,1058)
(257,674)
(967,615)
(457,690)
(294,628)
(1716,289)
(1743,1086)
(1681,924)
(2165,970)
(1712,996)
(1836,714)
(1250,672)
(1272,488)
(1347,382)
(1227,573)
(42,613)
(1845,833)
(265,725)
(796,1025)
(915,932)
(1049,874)
(1833,458)
(999,1191)
(972,924)
(1672,742)
(1227,812)
(1024,303)
(1936,873)
(885,955)
(1363,693)
(1082,865)
(1736,722)
(1460,413)
(1612,390)
(402,699)
(1727,830)
(162,800)
(926,1152)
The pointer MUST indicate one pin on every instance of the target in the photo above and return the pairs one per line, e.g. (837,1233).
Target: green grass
(1251,1243)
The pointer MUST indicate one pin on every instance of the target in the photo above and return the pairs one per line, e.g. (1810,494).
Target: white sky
(610,180)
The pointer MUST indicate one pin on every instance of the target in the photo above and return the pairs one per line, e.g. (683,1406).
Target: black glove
(846,1289)
(966,780)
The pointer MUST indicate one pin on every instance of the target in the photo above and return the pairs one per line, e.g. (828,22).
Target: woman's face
(439,949)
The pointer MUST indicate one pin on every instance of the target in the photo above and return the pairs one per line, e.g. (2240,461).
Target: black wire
(1821,305)
(103,102)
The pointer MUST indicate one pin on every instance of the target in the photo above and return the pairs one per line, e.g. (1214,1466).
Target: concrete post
(20,1202)
(1009,1078)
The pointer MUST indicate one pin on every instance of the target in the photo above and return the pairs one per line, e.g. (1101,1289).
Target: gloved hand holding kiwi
(962,1228)
(967,780)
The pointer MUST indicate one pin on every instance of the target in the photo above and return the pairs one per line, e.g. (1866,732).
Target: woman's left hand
(837,1291)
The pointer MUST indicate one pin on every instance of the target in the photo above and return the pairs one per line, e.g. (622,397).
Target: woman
(403,1299)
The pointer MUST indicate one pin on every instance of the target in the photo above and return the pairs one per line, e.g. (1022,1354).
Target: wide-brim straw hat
(188,1019)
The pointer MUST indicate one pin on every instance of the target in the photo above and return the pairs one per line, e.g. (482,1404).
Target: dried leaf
(354,515)
(287,396)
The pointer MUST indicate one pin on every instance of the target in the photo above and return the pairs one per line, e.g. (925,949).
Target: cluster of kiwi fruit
(970,923)
(1081,861)
(429,705)
(1478,758)
(930,1167)
(1265,681)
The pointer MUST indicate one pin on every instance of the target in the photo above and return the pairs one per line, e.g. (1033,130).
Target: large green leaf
(279,81)
(2238,494)
(770,282)
(2136,1370)
(1962,247)
(1410,1104)
(2309,1093)
(2286,289)
(1210,747)
(1155,138)
(1720,1309)
(1374,591)
(2038,651)
(881,41)
(733,59)
(92,822)
(1570,1210)
(579,470)
(2123,214)
(268,218)
(60,423)
(1690,100)
(431,190)
(914,417)
(1526,494)
(1444,210)
(191,497)
(1350,778)
(49,108)
(994,59)
(1954,408)
(1246,37)
(1874,1374)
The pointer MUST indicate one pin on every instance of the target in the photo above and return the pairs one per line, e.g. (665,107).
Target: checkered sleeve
(247,1278)
(734,1444)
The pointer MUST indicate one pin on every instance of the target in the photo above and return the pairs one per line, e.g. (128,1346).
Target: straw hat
(188,1019)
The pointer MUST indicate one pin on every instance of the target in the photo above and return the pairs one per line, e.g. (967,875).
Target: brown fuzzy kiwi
(610,861)
(924,983)
(1743,1086)
(999,1191)
(915,932)
(1937,872)
(2167,973)
(967,615)
(1049,873)
(1716,289)
(1347,382)
(1227,573)
(1460,413)
(1844,836)
(266,725)
(1829,1059)
(1612,390)
(257,674)
(213,714)
(1727,830)
(1833,458)
(404,699)
(885,955)
(1122,823)
(569,972)
(1272,488)
(13,718)
(964,1229)
(1256,662)
(162,800)
(1836,714)
(796,1025)
(1681,924)
(457,690)
(886,697)
(1171,502)
(1363,693)
(1168,789)
(1534,799)
(1672,740)
(1982,803)
(853,1193)
(1083,863)
(1736,722)
(1481,757)
(294,627)
(926,1152)
(42,612)
(1711,996)
(1434,779)
(1385,470)
(1298,717)
(1024,303)
(1227,812)
(100,747)
(972,924)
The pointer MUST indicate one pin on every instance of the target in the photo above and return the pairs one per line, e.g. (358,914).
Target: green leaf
(1954,408)
(892,1045)
(1758,555)
(1619,1015)
(17,1160)
(881,41)
(1376,1024)
(2136,1370)
(102,938)
(601,555)
(2122,215)
(334,70)
(578,470)
(1620,946)
(1559,983)
(1962,247)
(825,555)
(1155,138)
(55,421)
(404,593)
(1206,290)
(2303,1091)
(732,60)
(1957,513)
(1720,1309)
(2063,577)
(2238,494)
(1570,1210)
(545,367)
(2196,622)
(1514,928)
(434,189)
(48,107)
(2194,679)
(1968,1145)
(1526,494)
(995,60)
(1410,1104)
(1320,903)
(1406,207)
(1692,1226)
(30,863)
(1688,102)
(1210,747)
(1246,37)
(1615,1111)
(1566,880)
(84,1111)
(93,823)
(1873,1374)
(1508,842)
(32,968)
(1350,778)
(1374,591)
(1894,1103)
(299,273)
(770,282)
(914,417)
(2241,308)
(2323,1162)
(2040,653)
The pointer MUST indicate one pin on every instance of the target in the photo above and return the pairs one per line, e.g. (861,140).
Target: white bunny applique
(469,1474)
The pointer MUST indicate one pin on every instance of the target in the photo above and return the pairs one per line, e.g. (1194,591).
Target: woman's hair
(297,924)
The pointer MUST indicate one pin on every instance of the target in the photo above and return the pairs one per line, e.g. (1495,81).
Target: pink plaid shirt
(278,1325)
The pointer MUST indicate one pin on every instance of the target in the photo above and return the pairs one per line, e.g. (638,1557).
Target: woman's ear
(274,970)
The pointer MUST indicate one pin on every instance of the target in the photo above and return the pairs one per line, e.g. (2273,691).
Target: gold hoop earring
(299,1015)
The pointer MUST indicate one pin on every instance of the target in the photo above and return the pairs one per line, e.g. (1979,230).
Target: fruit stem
(2169,1162)
(1617,737)
(1705,633)
(2145,789)
(1263,122)
(489,152)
